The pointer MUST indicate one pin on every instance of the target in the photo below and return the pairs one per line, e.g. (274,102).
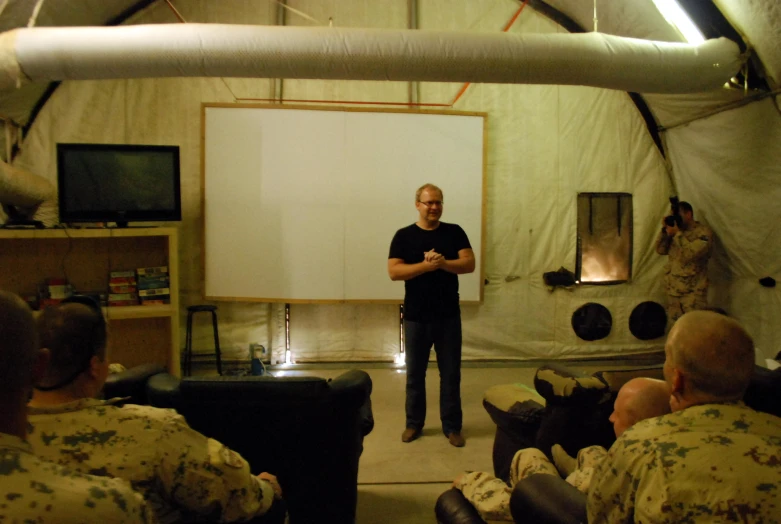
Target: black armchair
(545,499)
(131,383)
(307,431)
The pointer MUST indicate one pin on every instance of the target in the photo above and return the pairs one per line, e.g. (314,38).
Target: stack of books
(53,291)
(122,288)
(153,286)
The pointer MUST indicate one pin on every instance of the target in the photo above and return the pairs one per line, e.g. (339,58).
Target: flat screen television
(118,183)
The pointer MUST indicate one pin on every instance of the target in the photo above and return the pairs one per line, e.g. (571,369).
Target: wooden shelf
(97,232)
(126,312)
(85,257)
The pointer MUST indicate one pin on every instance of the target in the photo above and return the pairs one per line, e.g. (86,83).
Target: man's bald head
(637,400)
(713,354)
(18,344)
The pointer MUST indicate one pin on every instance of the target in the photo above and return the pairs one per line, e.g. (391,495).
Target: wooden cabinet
(137,334)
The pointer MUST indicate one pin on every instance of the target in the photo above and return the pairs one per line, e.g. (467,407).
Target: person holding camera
(689,245)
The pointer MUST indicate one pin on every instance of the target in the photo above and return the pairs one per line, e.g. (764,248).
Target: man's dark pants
(445,336)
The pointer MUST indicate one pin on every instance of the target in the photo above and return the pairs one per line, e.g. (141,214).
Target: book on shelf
(152,271)
(113,297)
(54,289)
(145,285)
(147,293)
(122,288)
(122,281)
(157,301)
(47,302)
(156,282)
(129,273)
(58,291)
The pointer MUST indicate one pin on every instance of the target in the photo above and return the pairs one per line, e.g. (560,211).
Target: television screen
(118,183)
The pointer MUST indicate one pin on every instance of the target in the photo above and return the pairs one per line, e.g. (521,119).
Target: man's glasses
(432,203)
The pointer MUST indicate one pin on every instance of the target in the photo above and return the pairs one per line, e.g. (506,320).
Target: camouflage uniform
(686,273)
(707,463)
(176,468)
(491,496)
(36,490)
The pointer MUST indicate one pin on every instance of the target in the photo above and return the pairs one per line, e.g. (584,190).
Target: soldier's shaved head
(713,353)
(73,333)
(637,400)
(18,343)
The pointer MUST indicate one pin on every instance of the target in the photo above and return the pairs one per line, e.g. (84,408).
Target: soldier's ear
(678,383)
(96,367)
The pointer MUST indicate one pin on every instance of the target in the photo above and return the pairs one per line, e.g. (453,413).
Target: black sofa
(308,431)
(575,414)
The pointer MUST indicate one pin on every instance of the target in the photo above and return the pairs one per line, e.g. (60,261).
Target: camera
(674,218)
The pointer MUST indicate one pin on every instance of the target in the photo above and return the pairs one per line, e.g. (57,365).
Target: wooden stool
(188,345)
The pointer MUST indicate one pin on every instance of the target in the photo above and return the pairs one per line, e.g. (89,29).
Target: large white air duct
(33,196)
(146,51)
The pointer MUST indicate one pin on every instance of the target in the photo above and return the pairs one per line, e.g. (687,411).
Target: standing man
(428,256)
(689,246)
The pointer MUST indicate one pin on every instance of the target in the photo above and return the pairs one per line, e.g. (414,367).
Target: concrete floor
(398,504)
(400,483)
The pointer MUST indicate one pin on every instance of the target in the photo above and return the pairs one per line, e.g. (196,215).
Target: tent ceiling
(68,12)
(757,21)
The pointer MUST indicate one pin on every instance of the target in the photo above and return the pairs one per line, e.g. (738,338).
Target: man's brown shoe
(410,434)
(456,439)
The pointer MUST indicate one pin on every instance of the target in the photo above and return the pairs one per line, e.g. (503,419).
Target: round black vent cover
(592,321)
(648,321)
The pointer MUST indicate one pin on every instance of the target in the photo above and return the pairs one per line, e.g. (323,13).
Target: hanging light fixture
(672,11)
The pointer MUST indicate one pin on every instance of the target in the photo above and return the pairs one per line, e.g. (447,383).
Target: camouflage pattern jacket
(707,463)
(687,267)
(180,471)
(35,490)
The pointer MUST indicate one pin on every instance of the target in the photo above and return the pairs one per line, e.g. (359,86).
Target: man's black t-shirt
(431,296)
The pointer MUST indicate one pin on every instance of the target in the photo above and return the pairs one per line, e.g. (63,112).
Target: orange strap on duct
(506,28)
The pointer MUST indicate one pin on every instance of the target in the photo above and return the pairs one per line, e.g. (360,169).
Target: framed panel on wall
(300,204)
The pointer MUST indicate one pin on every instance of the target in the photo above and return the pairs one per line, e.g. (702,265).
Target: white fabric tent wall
(546,143)
(729,166)
(535,168)
(759,19)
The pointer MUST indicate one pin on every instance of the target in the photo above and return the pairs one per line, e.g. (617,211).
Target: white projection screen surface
(301,204)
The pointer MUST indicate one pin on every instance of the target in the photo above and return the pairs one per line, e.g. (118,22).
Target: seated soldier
(36,490)
(182,473)
(637,400)
(713,459)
